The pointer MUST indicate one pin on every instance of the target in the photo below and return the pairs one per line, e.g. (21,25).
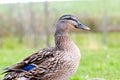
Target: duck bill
(81,26)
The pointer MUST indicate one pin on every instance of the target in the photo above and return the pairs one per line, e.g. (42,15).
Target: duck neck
(63,41)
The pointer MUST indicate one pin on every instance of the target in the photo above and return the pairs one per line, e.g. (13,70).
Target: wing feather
(38,59)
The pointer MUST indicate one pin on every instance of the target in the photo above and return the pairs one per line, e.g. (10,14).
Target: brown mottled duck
(54,63)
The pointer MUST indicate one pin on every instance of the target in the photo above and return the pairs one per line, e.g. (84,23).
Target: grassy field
(98,60)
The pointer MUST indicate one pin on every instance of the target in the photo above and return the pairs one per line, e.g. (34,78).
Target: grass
(97,61)
(100,63)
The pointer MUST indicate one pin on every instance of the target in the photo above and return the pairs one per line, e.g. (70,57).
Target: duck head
(69,22)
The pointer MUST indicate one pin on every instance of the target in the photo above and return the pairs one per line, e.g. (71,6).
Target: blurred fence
(34,22)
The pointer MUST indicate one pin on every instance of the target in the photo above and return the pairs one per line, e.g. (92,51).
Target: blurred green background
(28,27)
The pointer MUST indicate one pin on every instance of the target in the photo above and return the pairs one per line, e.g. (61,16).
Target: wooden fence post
(47,32)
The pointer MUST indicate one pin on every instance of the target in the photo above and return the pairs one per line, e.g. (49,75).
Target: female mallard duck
(55,63)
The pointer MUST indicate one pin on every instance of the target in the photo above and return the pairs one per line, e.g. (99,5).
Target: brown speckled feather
(48,62)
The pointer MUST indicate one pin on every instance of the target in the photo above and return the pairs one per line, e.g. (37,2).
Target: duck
(53,63)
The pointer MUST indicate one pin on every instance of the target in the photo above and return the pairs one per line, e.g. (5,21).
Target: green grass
(99,64)
(97,61)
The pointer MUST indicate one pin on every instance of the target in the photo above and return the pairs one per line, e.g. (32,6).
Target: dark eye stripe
(70,19)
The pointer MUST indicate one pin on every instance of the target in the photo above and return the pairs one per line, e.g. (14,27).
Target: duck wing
(34,66)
